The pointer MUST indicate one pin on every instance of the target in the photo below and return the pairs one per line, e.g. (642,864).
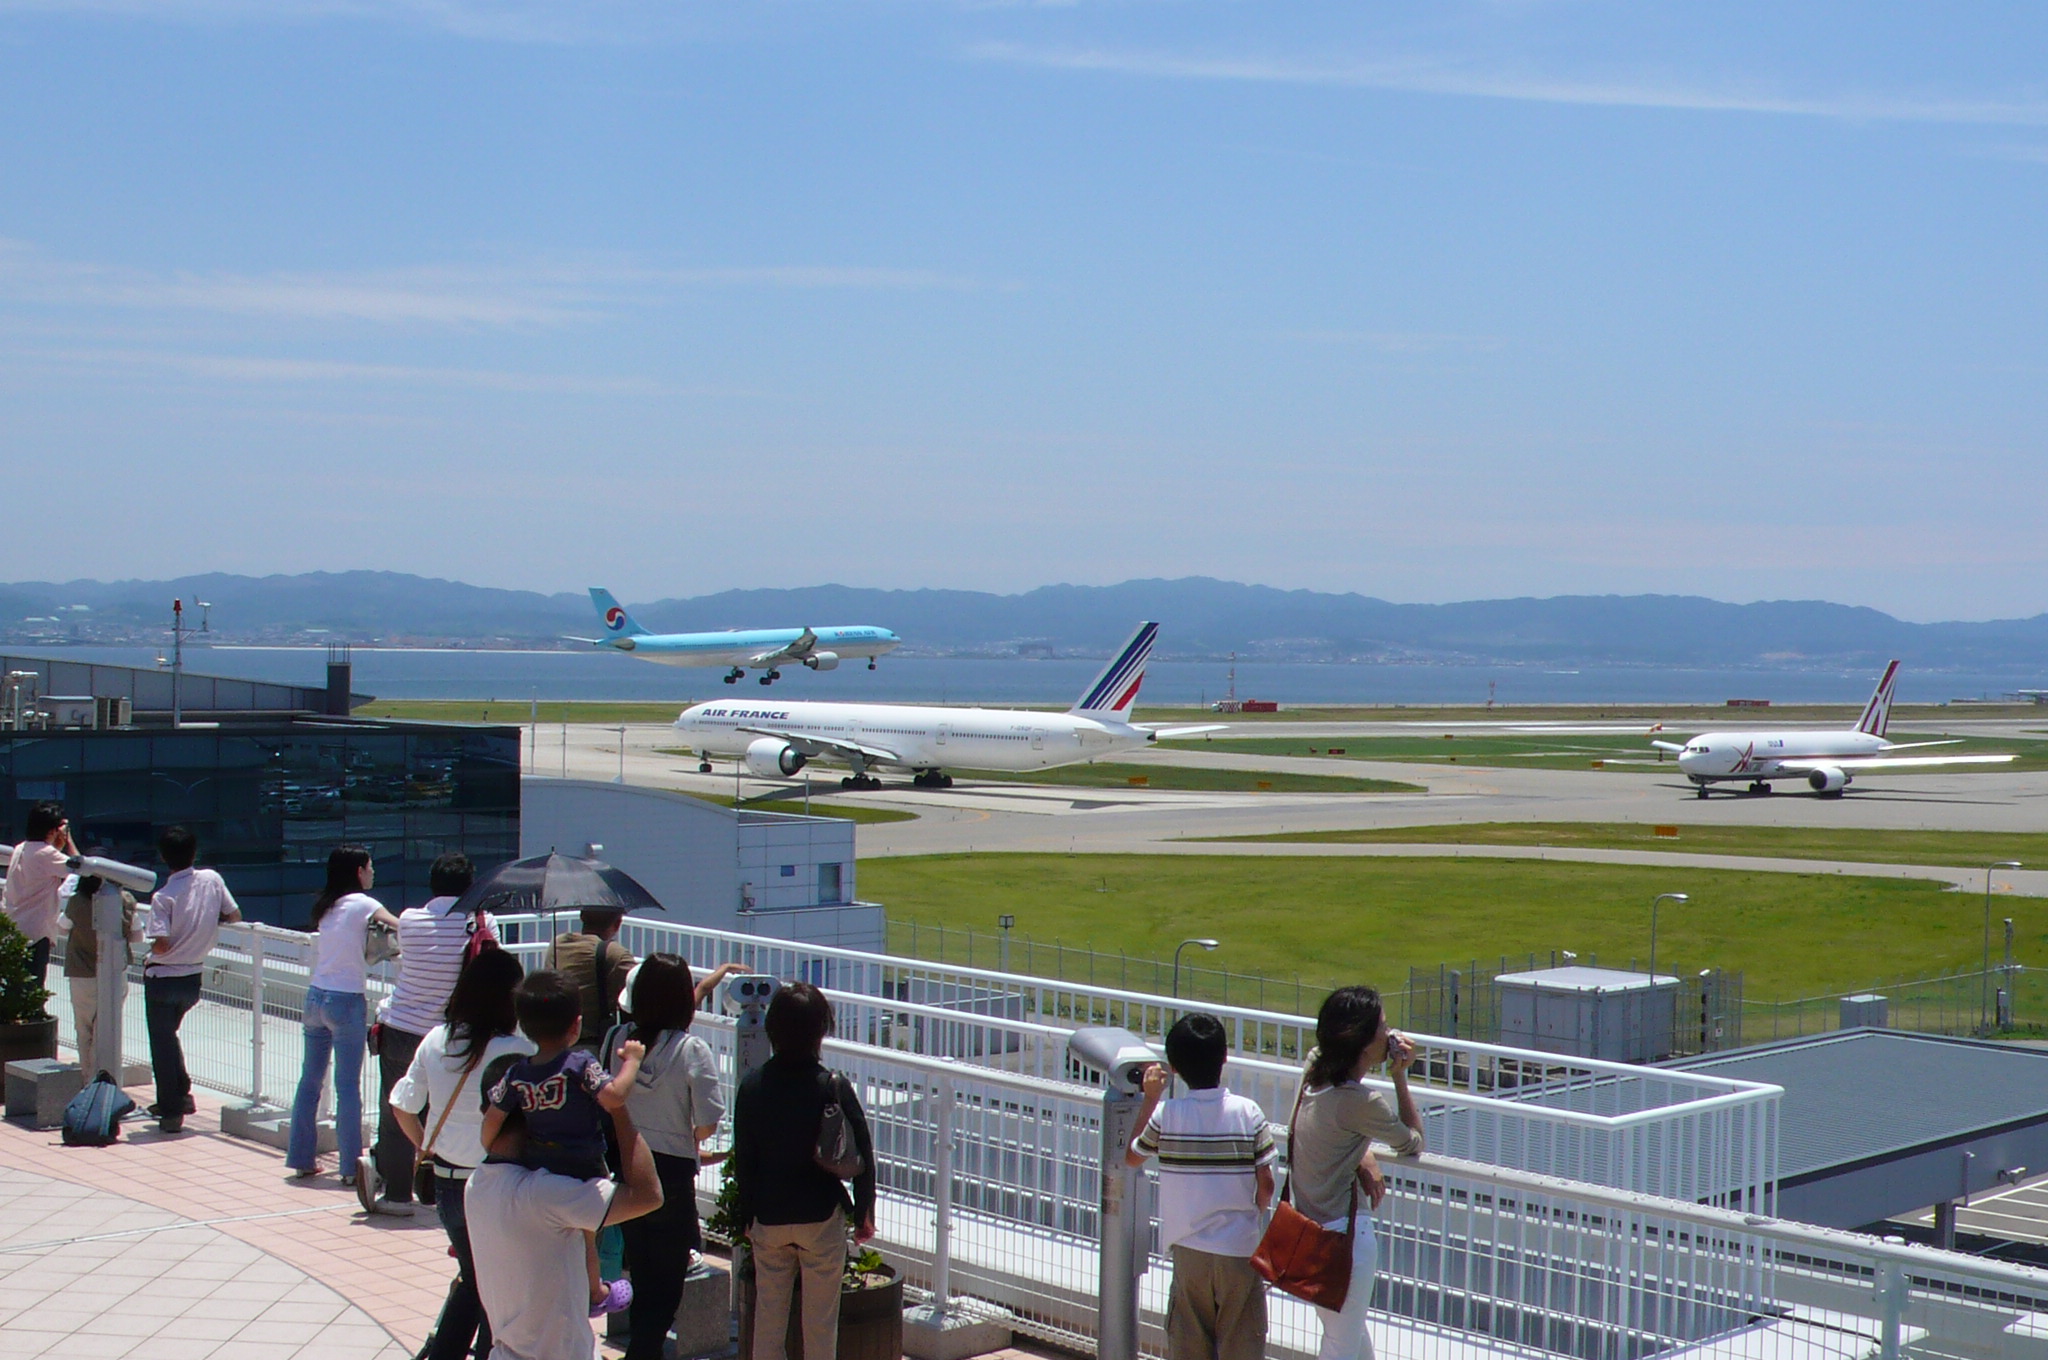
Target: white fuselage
(1759,755)
(921,738)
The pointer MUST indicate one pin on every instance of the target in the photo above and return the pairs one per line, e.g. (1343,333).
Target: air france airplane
(762,649)
(1827,760)
(774,741)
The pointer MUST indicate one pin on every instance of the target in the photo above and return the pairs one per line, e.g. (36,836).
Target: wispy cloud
(514,296)
(1429,75)
(241,368)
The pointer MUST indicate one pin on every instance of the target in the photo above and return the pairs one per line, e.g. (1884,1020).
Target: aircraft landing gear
(932,779)
(1759,787)
(732,677)
(871,663)
(771,677)
(1702,791)
(703,767)
(860,781)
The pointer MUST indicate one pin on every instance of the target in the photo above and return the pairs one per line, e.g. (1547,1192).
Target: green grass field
(1788,842)
(1613,751)
(1331,921)
(1188,778)
(1689,717)
(852,812)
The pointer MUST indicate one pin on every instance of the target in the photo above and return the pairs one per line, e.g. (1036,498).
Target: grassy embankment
(1109,775)
(1328,921)
(1855,844)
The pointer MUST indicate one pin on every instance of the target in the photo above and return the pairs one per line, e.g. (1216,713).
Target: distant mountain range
(1202,617)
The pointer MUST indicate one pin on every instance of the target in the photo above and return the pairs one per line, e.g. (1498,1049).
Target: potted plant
(870,1291)
(26,1030)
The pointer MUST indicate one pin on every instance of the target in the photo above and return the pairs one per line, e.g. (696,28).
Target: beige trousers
(783,1252)
(85,1011)
(1216,1310)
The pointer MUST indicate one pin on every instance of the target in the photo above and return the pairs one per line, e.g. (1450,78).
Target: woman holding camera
(1330,1145)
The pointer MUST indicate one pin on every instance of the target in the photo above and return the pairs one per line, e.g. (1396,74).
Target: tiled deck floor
(200,1246)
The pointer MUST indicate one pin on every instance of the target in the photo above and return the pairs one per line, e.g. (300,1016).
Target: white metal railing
(1683,1134)
(988,1164)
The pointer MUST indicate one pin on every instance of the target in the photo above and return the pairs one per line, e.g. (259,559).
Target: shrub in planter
(26,1030)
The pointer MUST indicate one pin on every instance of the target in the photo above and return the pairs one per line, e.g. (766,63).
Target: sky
(1428,302)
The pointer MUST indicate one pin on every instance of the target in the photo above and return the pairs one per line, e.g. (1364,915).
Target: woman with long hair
(439,1102)
(676,1105)
(335,1019)
(1336,1120)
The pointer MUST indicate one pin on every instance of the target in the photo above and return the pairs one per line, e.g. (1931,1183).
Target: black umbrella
(553,883)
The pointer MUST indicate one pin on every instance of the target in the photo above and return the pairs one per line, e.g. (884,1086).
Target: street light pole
(1659,900)
(1206,944)
(1006,920)
(1984,983)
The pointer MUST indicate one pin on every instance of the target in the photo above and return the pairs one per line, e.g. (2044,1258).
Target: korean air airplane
(777,740)
(761,649)
(1827,760)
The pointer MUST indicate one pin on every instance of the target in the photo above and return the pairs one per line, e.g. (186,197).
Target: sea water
(517,677)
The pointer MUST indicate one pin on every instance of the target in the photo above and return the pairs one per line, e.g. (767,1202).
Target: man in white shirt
(32,895)
(185,917)
(526,1231)
(431,943)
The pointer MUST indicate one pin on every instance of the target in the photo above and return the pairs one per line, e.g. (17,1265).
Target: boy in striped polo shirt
(1216,1157)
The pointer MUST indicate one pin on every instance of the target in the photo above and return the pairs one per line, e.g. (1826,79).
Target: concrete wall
(757,872)
(782,860)
(683,850)
(1853,1198)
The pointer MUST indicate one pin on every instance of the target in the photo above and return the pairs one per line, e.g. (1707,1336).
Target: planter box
(870,1321)
(31,1039)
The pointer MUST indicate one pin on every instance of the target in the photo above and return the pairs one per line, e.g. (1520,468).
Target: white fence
(1682,1134)
(988,1167)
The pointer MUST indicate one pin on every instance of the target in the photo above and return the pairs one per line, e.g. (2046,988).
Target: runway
(987,815)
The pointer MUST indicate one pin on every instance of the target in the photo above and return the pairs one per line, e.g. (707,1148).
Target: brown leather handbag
(1300,1255)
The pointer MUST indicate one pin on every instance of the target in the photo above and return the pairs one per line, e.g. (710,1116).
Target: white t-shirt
(430,1083)
(1210,1144)
(526,1229)
(338,953)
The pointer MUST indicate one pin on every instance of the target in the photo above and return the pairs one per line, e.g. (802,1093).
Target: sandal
(617,1295)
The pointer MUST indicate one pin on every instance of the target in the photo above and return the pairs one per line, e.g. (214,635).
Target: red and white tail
(1877,714)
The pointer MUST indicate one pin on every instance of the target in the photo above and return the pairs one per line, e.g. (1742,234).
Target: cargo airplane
(761,649)
(1827,760)
(775,741)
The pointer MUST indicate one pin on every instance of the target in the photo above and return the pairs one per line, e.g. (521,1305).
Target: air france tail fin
(617,622)
(1110,694)
(1878,712)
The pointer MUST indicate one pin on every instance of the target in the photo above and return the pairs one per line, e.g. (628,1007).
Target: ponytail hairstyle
(1348,1022)
(345,865)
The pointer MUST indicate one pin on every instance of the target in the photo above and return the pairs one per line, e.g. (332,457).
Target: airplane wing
(795,651)
(818,744)
(1158,730)
(595,642)
(1886,763)
(1676,748)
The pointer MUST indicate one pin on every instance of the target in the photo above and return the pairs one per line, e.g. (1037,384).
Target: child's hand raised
(1155,1080)
(632,1050)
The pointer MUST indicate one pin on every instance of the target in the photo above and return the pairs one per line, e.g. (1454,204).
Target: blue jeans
(462,1329)
(335,1023)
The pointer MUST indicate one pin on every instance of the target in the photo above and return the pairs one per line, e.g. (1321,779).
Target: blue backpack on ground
(93,1116)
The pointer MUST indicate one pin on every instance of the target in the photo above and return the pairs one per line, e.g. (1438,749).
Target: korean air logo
(615,619)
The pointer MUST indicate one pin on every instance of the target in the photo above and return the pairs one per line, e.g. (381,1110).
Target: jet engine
(1827,779)
(822,661)
(773,758)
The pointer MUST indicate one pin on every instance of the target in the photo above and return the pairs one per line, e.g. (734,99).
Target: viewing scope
(1119,1055)
(121,875)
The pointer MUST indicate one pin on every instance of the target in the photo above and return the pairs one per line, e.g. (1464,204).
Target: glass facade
(269,801)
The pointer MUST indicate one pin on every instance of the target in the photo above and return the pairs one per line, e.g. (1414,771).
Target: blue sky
(1428,302)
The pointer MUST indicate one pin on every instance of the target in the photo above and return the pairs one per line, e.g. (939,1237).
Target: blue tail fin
(617,622)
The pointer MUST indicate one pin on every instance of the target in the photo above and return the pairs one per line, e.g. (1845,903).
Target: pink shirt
(31,896)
